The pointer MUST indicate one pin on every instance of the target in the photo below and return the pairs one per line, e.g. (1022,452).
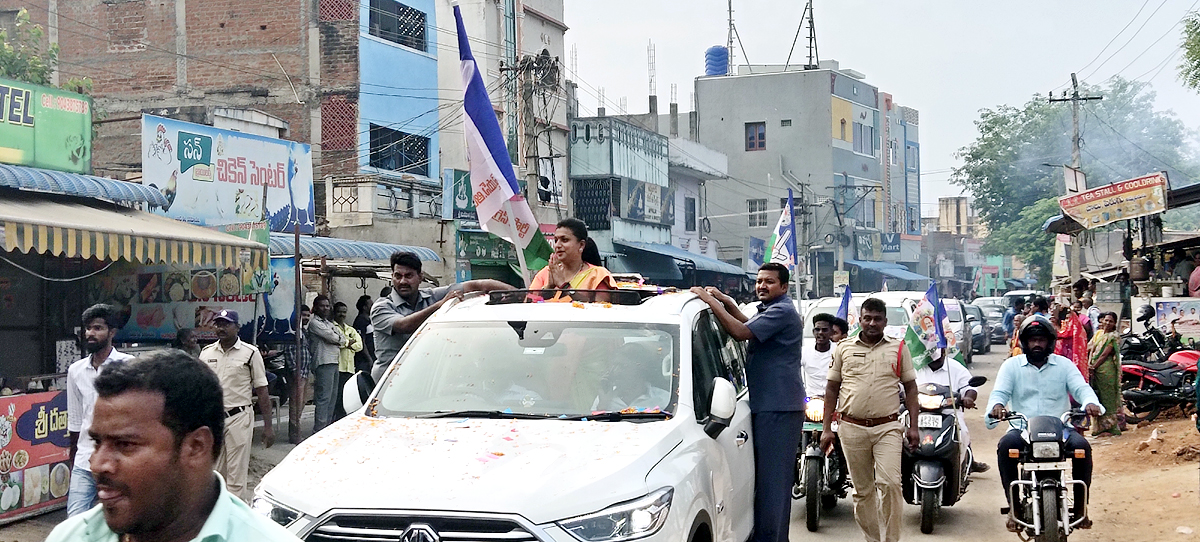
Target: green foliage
(21,55)
(1025,239)
(1189,67)
(1122,136)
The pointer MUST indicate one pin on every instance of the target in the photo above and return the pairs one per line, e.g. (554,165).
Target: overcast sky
(946,58)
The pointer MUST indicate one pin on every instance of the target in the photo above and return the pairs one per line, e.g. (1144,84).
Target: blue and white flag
(782,246)
(493,181)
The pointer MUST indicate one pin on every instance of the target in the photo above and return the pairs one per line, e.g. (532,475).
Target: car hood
(544,470)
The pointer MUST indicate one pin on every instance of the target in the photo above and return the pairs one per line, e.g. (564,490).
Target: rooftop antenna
(805,17)
(623,106)
(574,60)
(650,64)
(729,39)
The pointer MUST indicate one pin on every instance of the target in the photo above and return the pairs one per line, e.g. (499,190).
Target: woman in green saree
(1104,362)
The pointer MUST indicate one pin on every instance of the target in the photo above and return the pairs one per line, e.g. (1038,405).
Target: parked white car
(546,422)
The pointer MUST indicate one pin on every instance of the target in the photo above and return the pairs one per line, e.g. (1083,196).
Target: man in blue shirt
(1009,314)
(1040,383)
(776,392)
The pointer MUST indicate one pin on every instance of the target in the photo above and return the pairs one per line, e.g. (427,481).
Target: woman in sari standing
(1104,362)
(575,263)
(1072,340)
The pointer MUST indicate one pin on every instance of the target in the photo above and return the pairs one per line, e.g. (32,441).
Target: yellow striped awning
(79,228)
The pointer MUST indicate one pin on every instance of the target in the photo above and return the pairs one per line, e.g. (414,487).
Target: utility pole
(1076,250)
(729,39)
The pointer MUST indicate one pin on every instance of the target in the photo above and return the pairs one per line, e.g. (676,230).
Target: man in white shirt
(100,324)
(815,359)
(953,375)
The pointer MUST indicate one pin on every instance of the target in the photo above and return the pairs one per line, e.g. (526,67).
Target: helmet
(1036,325)
(1145,313)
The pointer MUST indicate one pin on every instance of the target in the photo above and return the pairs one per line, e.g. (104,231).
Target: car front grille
(391,528)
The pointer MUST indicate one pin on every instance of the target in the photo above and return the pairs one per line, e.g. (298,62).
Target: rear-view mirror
(977,381)
(722,407)
(356,391)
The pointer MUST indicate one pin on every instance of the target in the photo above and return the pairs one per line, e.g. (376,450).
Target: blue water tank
(716,60)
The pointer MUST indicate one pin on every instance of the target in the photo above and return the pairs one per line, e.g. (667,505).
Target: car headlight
(277,512)
(1045,450)
(625,521)
(814,410)
(929,402)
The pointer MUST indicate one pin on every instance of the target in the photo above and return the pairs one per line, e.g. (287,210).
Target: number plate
(929,421)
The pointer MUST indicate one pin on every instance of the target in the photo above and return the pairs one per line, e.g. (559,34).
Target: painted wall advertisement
(156,301)
(1118,201)
(35,449)
(647,202)
(213,177)
(45,127)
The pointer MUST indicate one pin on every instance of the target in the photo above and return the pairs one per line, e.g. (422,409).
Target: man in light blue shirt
(1040,383)
(157,427)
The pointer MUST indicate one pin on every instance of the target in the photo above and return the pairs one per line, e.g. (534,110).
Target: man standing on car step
(776,392)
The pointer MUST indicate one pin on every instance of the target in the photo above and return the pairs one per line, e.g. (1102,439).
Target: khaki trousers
(234,461)
(873,457)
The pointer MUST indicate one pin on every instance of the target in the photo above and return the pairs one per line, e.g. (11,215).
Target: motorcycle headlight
(1045,450)
(625,521)
(277,512)
(929,402)
(814,410)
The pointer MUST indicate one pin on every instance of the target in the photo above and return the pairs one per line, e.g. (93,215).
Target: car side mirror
(972,318)
(721,407)
(974,382)
(356,391)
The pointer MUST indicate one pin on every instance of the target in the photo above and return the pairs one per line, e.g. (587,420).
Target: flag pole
(512,229)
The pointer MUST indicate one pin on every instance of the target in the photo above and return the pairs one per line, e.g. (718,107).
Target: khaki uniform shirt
(870,376)
(240,370)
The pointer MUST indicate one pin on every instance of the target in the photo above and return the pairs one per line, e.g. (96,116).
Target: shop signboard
(973,253)
(155,301)
(756,250)
(213,177)
(45,127)
(481,245)
(1182,313)
(456,196)
(280,320)
(645,202)
(35,450)
(1124,200)
(890,243)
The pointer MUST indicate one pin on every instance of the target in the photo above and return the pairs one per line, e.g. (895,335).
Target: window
(398,151)
(689,214)
(758,212)
(707,363)
(869,212)
(910,157)
(398,23)
(785,122)
(864,138)
(756,136)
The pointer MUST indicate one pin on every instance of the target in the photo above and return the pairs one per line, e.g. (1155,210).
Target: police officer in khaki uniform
(865,377)
(239,367)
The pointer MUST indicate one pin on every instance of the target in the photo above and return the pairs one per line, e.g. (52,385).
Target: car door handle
(741,439)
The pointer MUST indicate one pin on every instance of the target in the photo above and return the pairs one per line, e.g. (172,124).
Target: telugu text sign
(45,127)
(214,177)
(35,453)
(1118,201)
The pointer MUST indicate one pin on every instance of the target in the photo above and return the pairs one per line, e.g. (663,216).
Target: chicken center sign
(215,178)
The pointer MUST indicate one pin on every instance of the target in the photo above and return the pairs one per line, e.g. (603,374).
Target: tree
(1014,164)
(21,55)
(1189,68)
(1025,239)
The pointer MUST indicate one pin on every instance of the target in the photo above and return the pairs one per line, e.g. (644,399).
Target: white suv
(538,422)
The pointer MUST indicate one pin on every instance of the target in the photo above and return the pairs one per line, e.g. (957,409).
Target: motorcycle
(1043,494)
(279,374)
(820,480)
(1149,347)
(1163,386)
(935,474)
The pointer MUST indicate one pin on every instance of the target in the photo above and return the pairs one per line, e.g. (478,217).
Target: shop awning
(283,244)
(702,263)
(890,269)
(74,184)
(82,228)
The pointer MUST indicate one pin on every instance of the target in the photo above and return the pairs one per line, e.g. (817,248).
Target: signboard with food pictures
(1133,198)
(213,177)
(35,451)
(156,301)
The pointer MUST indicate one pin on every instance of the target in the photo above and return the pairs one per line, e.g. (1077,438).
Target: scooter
(935,474)
(820,480)
(1043,494)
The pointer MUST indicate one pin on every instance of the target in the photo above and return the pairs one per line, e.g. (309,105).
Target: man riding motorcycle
(954,376)
(1040,383)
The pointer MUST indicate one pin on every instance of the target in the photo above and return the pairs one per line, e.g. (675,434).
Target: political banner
(929,335)
(214,177)
(1124,200)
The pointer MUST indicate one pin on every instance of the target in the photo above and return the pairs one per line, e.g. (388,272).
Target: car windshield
(953,312)
(537,368)
(896,317)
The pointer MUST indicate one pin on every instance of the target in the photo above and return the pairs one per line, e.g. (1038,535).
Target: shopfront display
(35,450)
